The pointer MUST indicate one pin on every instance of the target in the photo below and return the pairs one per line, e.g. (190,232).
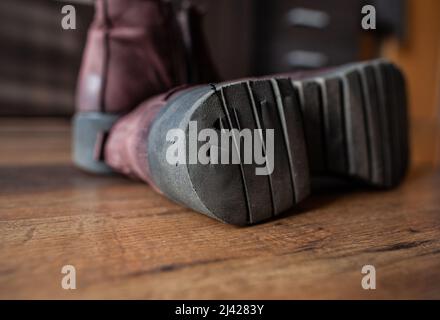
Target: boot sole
(349,122)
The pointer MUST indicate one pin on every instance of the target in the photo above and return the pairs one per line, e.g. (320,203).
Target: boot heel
(90,130)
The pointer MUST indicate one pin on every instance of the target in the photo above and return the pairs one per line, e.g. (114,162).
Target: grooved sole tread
(347,122)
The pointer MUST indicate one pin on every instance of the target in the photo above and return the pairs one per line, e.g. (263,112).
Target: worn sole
(349,122)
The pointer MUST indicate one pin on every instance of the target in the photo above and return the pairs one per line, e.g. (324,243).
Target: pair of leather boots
(147,73)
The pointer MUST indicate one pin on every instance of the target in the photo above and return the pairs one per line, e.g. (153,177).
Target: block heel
(90,130)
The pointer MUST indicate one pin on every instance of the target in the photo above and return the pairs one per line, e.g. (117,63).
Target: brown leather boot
(347,122)
(135,50)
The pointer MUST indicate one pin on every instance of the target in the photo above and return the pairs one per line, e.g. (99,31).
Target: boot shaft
(134,50)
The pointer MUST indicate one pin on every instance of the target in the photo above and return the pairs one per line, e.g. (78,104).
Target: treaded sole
(348,122)
(255,105)
(364,124)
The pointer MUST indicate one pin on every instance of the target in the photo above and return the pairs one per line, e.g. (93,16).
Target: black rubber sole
(356,123)
(349,122)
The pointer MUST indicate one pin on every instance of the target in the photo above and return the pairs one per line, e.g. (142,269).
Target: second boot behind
(135,49)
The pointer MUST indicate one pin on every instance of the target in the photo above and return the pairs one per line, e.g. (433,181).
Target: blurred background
(39,61)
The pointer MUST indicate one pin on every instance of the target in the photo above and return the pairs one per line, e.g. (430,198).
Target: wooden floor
(125,241)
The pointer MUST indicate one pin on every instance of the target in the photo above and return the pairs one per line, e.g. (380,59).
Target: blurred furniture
(39,60)
(262,37)
(419,56)
(306,34)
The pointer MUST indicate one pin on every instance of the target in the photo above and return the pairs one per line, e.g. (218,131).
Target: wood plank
(128,242)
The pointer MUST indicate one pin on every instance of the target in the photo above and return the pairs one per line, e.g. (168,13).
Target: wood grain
(128,242)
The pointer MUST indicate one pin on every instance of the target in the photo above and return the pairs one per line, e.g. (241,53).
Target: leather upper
(134,51)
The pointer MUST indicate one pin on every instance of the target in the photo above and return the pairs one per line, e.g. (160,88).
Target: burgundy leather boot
(347,122)
(135,49)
